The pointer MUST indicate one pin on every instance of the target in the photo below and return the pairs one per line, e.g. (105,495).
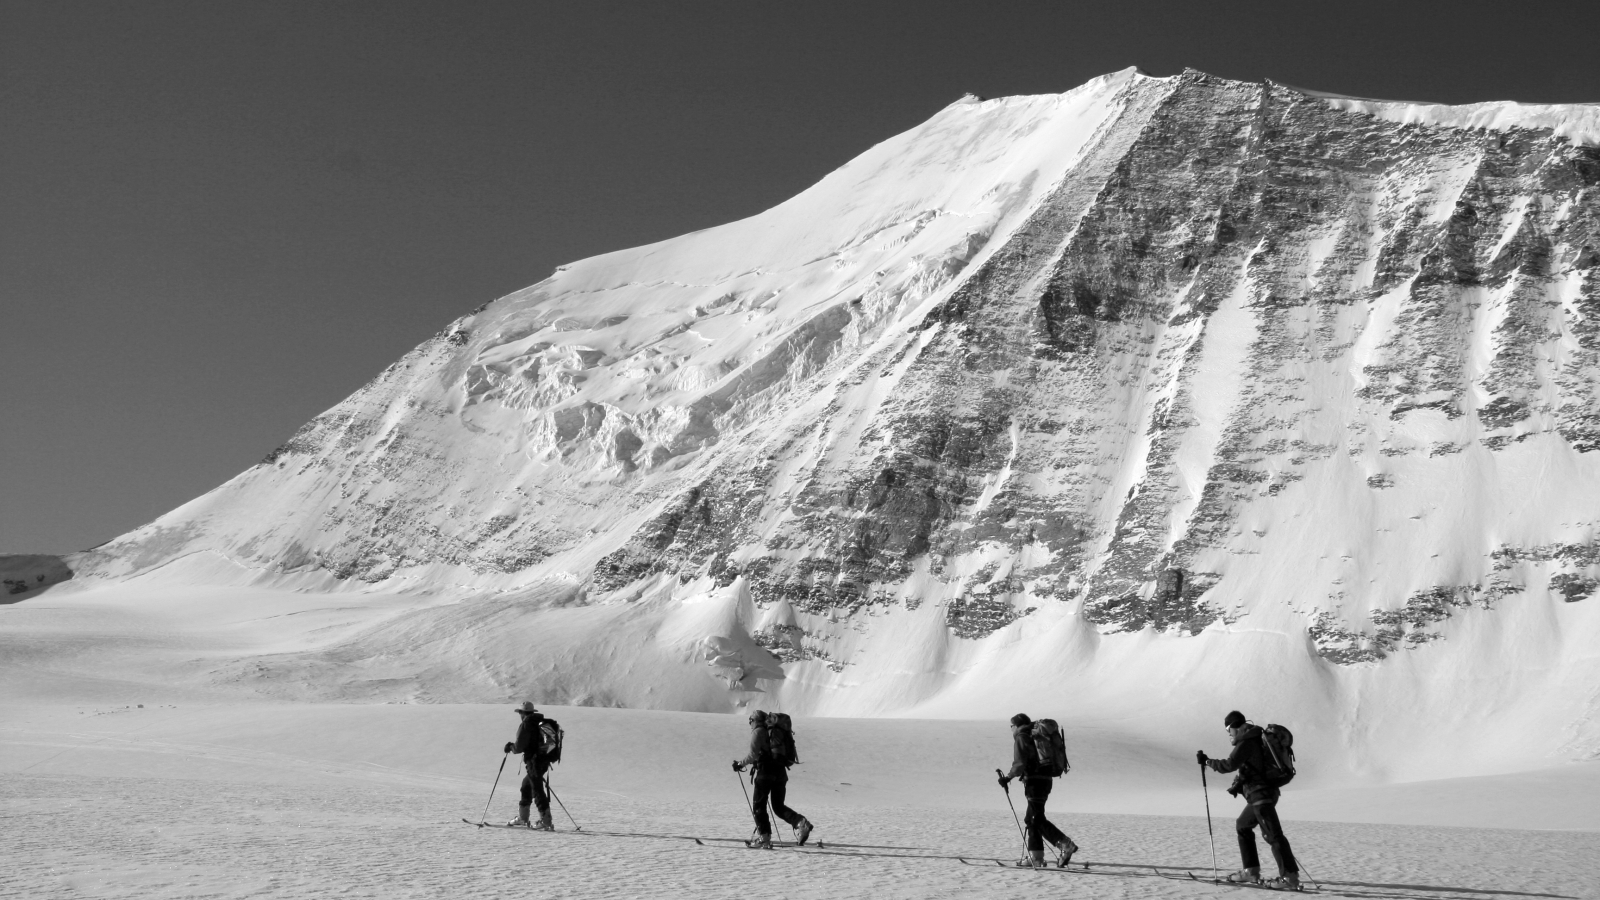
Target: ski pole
(774,812)
(547,787)
(1007,788)
(747,804)
(1209,833)
(485,817)
(1312,878)
(750,807)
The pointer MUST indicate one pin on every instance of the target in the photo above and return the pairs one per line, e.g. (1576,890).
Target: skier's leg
(1047,829)
(541,795)
(780,787)
(1247,839)
(758,805)
(1034,817)
(1272,833)
(525,799)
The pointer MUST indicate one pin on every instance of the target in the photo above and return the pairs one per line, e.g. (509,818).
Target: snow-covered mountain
(1162,392)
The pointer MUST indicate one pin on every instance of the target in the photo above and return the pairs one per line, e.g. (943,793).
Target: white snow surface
(248,799)
(1576,122)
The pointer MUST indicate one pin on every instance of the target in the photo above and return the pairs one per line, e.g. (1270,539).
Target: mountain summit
(1155,377)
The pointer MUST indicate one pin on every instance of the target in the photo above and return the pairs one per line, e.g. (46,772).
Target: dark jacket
(760,758)
(1249,760)
(528,738)
(1024,755)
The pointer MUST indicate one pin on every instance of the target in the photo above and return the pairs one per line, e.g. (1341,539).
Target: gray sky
(219,219)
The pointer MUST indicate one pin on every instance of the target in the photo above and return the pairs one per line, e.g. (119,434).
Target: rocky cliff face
(1164,355)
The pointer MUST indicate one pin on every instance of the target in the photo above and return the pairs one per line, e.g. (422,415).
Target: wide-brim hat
(526,707)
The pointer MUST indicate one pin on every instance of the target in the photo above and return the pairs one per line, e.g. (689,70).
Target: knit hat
(757,717)
(1234,719)
(1020,719)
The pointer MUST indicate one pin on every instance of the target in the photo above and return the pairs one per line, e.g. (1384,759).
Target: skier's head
(1020,720)
(1234,719)
(757,718)
(526,708)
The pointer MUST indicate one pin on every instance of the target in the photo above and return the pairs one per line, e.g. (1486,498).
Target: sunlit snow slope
(1164,392)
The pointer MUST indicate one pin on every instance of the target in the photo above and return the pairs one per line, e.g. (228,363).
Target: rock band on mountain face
(1262,760)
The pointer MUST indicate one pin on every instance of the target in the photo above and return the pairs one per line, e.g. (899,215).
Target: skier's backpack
(780,740)
(1279,758)
(1051,748)
(550,736)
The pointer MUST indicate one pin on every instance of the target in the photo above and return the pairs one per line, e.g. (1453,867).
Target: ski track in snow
(151,837)
(292,801)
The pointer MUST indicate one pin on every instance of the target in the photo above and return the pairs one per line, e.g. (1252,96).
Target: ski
(1260,886)
(1233,884)
(798,848)
(1072,869)
(498,825)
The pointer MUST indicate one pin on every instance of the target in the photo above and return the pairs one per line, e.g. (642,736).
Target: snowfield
(129,772)
(264,800)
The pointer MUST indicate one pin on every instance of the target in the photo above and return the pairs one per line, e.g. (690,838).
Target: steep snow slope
(1168,393)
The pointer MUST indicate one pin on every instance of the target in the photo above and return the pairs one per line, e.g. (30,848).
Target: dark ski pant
(533,784)
(1040,829)
(771,787)
(1265,815)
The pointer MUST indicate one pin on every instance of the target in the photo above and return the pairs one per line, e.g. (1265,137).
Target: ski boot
(1065,849)
(521,819)
(545,822)
(762,842)
(803,832)
(1288,881)
(1244,876)
(1034,860)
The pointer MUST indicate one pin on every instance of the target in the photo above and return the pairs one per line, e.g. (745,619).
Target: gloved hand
(1200,757)
(1234,791)
(1005,780)
(510,746)
(738,766)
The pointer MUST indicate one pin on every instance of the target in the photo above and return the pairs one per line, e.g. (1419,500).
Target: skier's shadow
(1433,890)
(826,845)
(1377,890)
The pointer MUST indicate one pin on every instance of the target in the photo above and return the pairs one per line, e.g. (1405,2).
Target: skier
(1036,784)
(1248,758)
(771,780)
(535,765)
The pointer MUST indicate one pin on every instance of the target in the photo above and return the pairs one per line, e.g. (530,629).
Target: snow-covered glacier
(1160,395)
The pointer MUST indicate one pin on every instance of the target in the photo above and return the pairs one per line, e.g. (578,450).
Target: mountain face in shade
(1154,363)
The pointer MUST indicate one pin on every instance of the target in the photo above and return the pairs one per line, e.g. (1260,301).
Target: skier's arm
(1232,763)
(523,743)
(1018,766)
(758,741)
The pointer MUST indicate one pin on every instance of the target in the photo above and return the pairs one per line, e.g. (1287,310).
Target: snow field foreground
(311,800)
